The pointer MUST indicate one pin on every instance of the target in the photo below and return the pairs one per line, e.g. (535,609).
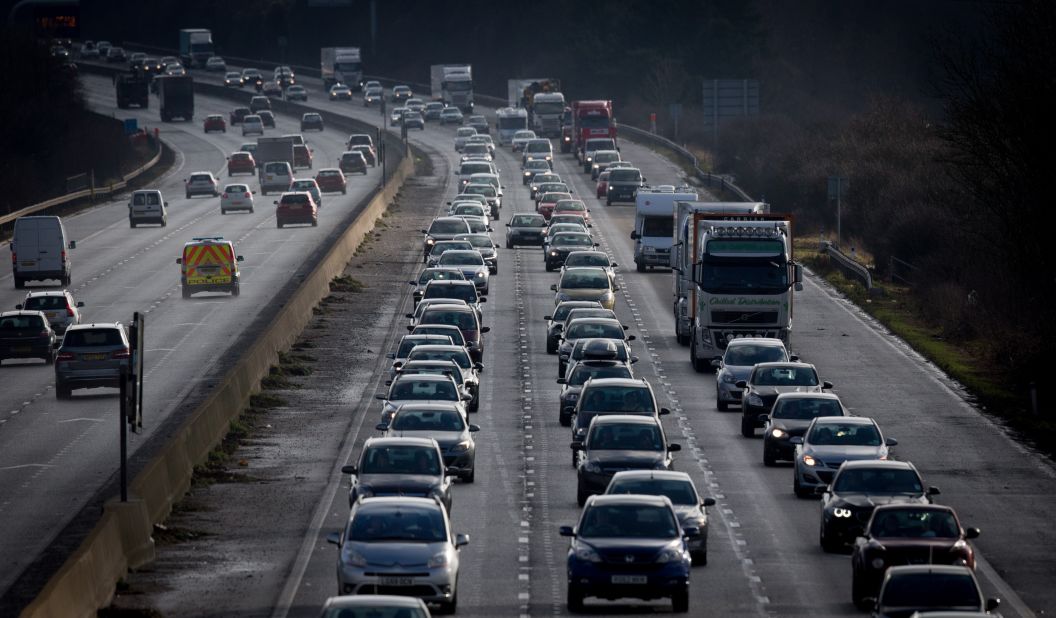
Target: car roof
(789,364)
(448,282)
(915,507)
(844,420)
(21,312)
(765,341)
(438,347)
(640,499)
(588,252)
(579,303)
(450,306)
(116,325)
(403,440)
(47,293)
(423,337)
(832,396)
(876,463)
(432,405)
(372,600)
(624,419)
(602,382)
(669,475)
(388,502)
(917,569)
(594,320)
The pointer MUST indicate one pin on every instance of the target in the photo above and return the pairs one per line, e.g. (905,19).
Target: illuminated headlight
(589,159)
(480,273)
(777,433)
(595,166)
(755,400)
(878,563)
(809,461)
(568,139)
(841,513)
(588,554)
(430,241)
(527,174)
(669,555)
(439,560)
(548,157)
(461,447)
(553,253)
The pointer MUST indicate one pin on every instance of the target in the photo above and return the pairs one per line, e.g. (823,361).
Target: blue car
(629,546)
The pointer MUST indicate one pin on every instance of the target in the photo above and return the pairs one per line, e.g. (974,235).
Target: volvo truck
(341,65)
(196,46)
(453,85)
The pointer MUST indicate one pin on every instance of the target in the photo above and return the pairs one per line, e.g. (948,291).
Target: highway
(54,455)
(764,557)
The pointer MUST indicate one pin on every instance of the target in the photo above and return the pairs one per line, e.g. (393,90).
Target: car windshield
(909,523)
(593,330)
(877,481)
(411,389)
(636,521)
(524,135)
(748,355)
(465,132)
(460,357)
(407,344)
(805,409)
(453,333)
(44,303)
(461,258)
(635,399)
(573,280)
(939,590)
(844,434)
(464,320)
(587,259)
(237,189)
(201,178)
(467,292)
(448,227)
(625,437)
(624,175)
(582,373)
(537,146)
(528,221)
(572,239)
(473,210)
(679,492)
(447,245)
(606,157)
(785,376)
(397,524)
(431,274)
(92,337)
(468,169)
(570,206)
(480,241)
(485,190)
(428,420)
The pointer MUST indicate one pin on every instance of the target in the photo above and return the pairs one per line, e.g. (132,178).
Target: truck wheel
(698,363)
(639,267)
(66,280)
(131,223)
(680,600)
(19,283)
(235,291)
(186,292)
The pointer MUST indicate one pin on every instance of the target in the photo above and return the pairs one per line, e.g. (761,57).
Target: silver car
(91,356)
(57,306)
(374,604)
(442,367)
(443,423)
(462,135)
(736,365)
(401,546)
(202,183)
(472,265)
(456,353)
(421,388)
(400,467)
(486,246)
(828,442)
(407,343)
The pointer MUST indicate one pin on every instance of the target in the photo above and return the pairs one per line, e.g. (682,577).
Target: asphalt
(764,557)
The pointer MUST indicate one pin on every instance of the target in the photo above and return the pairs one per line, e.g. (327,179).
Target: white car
(340,91)
(462,135)
(296,92)
(58,307)
(252,124)
(520,138)
(215,63)
(236,197)
(202,183)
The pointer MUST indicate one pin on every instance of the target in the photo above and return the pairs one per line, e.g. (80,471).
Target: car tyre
(858,593)
(470,476)
(827,545)
(680,600)
(797,488)
(551,347)
(131,224)
(581,495)
(50,358)
(315,222)
(449,607)
(721,405)
(639,267)
(62,391)
(564,419)
(700,556)
(235,290)
(768,459)
(574,599)
(747,427)
(19,283)
(509,245)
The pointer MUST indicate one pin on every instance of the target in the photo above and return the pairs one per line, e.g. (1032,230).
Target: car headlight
(527,174)
(439,560)
(878,563)
(572,397)
(777,433)
(755,400)
(589,159)
(592,466)
(553,254)
(461,447)
(430,241)
(481,274)
(587,553)
(356,559)
(595,166)
(841,513)
(669,555)
(809,461)
(728,378)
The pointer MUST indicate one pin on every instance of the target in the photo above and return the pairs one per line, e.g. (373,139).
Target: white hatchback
(252,124)
(236,197)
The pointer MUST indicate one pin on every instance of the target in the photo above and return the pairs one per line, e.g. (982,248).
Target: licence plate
(28,263)
(22,349)
(397,581)
(93,356)
(630,579)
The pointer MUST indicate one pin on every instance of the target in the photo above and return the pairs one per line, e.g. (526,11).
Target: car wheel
(449,607)
(574,599)
(164,222)
(19,283)
(797,488)
(549,268)
(564,419)
(858,593)
(721,405)
(551,346)
(700,556)
(188,196)
(344,191)
(131,223)
(639,267)
(608,202)
(66,280)
(747,427)
(509,245)
(768,458)
(62,391)
(680,600)
(581,495)
(223,212)
(315,222)
(470,476)
(50,358)
(561,368)
(279,223)
(827,544)
(235,291)
(575,457)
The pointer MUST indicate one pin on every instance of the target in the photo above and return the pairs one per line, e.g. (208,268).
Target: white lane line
(32,465)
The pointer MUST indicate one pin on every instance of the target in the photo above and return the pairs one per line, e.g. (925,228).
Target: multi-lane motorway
(764,555)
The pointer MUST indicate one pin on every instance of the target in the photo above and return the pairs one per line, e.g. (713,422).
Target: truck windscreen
(742,275)
(460,86)
(513,123)
(594,122)
(654,227)
(554,107)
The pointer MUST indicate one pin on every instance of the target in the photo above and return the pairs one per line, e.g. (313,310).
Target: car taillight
(65,356)
(120,354)
(69,311)
(247,193)
(224,196)
(14,257)
(62,255)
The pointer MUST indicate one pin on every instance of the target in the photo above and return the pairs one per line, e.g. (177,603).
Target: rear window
(44,303)
(93,337)
(295,199)
(21,322)
(240,156)
(276,168)
(201,178)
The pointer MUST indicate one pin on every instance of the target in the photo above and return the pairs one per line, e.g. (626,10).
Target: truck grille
(744,317)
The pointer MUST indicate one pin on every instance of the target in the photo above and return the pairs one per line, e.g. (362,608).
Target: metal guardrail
(109,189)
(848,265)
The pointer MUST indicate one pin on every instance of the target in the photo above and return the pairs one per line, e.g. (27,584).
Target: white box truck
(341,64)
(453,85)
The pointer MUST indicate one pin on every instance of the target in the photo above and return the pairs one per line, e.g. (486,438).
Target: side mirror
(634,235)
(461,540)
(334,538)
(474,428)
(707,502)
(792,358)
(690,532)
(625,327)
(566,531)
(391,355)
(826,385)
(179,260)
(631,337)
(427,231)
(971,533)
(764,418)
(795,440)
(559,380)
(412,283)
(478,366)
(466,397)
(614,265)
(664,411)
(553,287)
(634,359)
(73,244)
(645,179)
(409,316)
(166,203)
(509,225)
(409,328)
(382,426)
(276,202)
(615,288)
(717,362)
(350,469)
(381,397)
(674,448)
(240,259)
(482,299)
(19,307)
(992,604)
(933,491)
(398,364)
(891,442)
(80,303)
(485,329)
(741,384)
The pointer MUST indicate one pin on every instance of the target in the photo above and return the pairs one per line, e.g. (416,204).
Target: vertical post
(1034,398)
(123,420)
(839,228)
(381,155)
(715,113)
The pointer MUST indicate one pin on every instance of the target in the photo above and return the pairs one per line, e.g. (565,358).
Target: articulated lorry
(591,119)
(196,46)
(453,85)
(132,89)
(653,234)
(734,276)
(542,99)
(175,97)
(341,65)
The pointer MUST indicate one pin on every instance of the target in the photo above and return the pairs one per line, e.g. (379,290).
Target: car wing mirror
(380,397)
(741,384)
(334,538)
(485,329)
(240,259)
(73,244)
(795,440)
(826,385)
(567,531)
(792,358)
(691,532)
(665,411)
(992,604)
(625,327)
(933,491)
(553,287)
(674,448)
(547,318)
(576,445)
(707,502)
(764,418)
(634,359)
(461,540)
(559,380)
(631,337)
(478,366)
(634,235)
(391,355)
(482,299)
(971,533)
(350,469)
(891,442)
(179,260)
(382,426)
(474,428)
(19,307)
(717,362)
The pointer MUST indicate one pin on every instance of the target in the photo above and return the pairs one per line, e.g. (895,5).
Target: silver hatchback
(91,356)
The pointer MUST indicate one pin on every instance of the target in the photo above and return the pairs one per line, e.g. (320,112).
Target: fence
(902,271)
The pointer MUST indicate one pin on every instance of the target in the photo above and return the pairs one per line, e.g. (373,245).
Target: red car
(331,180)
(241,163)
(546,205)
(296,207)
(572,207)
(215,122)
(603,184)
(302,156)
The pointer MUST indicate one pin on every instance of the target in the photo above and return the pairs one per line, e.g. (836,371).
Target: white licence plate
(396,581)
(630,579)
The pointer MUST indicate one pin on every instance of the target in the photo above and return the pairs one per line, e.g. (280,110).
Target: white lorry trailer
(341,64)
(453,85)
(653,234)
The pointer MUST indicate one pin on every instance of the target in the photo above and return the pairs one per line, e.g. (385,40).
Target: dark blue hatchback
(628,546)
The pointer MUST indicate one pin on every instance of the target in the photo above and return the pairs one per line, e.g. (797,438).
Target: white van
(275,176)
(38,251)
(147,206)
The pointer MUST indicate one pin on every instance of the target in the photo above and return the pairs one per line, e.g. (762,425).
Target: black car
(26,334)
(238,114)
(790,417)
(267,118)
(620,442)
(768,380)
(858,488)
(311,121)
(429,274)
(564,243)
(555,323)
(526,229)
(586,370)
(623,185)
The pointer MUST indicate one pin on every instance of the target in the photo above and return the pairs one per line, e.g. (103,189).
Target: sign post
(837,185)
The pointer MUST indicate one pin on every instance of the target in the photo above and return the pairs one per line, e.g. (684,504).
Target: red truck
(591,119)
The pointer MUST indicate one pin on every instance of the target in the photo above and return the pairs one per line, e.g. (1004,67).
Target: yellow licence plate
(203,280)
